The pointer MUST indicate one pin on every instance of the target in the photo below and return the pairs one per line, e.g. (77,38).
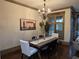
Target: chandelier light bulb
(39,11)
(44,11)
(48,10)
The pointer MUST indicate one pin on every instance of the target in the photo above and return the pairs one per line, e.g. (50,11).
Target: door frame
(55,15)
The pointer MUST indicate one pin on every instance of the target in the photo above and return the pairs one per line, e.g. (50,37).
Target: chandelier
(44,11)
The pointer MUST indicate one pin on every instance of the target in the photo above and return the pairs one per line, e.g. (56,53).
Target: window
(59,27)
(52,20)
(59,19)
(59,23)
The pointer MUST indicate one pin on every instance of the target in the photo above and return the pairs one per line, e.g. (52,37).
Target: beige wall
(67,26)
(10,15)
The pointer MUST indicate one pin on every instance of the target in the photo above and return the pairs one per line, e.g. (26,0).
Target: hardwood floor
(62,52)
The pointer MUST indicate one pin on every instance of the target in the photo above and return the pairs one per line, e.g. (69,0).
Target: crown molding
(21,4)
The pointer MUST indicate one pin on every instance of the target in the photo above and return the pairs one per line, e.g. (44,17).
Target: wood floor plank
(62,52)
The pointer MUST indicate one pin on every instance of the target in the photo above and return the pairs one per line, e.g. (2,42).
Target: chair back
(24,47)
(55,34)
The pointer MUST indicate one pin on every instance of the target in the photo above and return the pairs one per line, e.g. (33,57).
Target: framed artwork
(27,24)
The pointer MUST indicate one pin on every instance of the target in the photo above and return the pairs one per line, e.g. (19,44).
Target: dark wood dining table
(43,42)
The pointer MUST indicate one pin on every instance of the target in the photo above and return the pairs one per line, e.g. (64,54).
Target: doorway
(74,26)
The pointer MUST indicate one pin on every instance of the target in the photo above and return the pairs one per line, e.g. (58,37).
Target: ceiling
(52,4)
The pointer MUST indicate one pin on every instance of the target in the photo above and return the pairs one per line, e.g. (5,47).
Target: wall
(67,26)
(10,15)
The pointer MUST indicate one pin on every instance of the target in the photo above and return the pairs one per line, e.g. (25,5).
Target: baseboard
(0,54)
(10,50)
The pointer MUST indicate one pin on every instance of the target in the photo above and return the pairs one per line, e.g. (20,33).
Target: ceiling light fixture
(44,11)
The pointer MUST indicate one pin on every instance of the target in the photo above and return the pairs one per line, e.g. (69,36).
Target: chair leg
(28,57)
(39,55)
(21,56)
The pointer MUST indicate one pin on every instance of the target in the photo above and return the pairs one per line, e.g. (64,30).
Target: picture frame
(27,24)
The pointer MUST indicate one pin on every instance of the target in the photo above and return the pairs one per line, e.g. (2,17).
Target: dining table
(42,42)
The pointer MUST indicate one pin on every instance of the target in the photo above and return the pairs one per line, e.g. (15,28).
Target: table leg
(39,54)
(48,54)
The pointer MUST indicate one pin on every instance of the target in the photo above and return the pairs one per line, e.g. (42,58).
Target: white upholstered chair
(55,34)
(26,49)
(76,43)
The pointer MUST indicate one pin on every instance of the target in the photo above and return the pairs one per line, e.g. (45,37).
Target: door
(60,26)
(56,22)
(77,25)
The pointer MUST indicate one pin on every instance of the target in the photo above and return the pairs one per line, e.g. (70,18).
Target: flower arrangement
(45,27)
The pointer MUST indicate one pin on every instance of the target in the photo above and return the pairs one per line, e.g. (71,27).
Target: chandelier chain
(44,11)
